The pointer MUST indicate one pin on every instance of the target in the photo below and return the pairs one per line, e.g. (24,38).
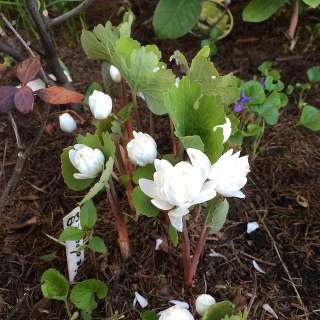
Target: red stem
(197,254)
(185,251)
(119,220)
(294,20)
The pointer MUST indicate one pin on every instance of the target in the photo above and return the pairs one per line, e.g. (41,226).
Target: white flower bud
(100,105)
(227,129)
(230,174)
(115,74)
(203,302)
(142,149)
(89,162)
(67,123)
(176,313)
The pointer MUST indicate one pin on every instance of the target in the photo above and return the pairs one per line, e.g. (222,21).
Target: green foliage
(54,285)
(106,174)
(219,311)
(173,19)
(48,257)
(194,115)
(310,118)
(93,86)
(216,215)
(314,74)
(142,203)
(88,215)
(97,244)
(84,294)
(258,11)
(143,172)
(312,3)
(173,235)
(149,315)
(72,233)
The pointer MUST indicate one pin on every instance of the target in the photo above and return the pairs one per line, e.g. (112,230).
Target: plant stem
(185,251)
(196,257)
(119,220)
(67,307)
(294,20)
(136,110)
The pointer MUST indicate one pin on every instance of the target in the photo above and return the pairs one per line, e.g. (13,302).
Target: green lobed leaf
(312,3)
(68,170)
(219,311)
(106,174)
(54,285)
(48,257)
(310,118)
(254,91)
(97,244)
(216,215)
(84,294)
(269,110)
(88,215)
(173,19)
(142,203)
(72,233)
(259,10)
(149,315)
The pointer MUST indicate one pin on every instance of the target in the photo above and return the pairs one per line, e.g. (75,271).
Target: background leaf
(314,74)
(219,311)
(7,94)
(88,215)
(310,118)
(260,10)
(54,285)
(97,244)
(173,19)
(72,234)
(59,95)
(312,3)
(143,172)
(149,315)
(24,100)
(28,69)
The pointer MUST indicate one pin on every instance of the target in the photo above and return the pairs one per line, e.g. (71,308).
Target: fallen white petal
(216,254)
(268,308)
(257,267)
(179,303)
(252,226)
(143,302)
(158,244)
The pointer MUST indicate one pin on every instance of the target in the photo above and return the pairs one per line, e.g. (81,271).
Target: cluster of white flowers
(177,188)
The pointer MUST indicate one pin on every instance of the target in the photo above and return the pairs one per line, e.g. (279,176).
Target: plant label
(74,257)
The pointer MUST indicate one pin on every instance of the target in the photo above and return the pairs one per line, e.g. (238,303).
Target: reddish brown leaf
(3,68)
(7,98)
(28,69)
(59,95)
(24,99)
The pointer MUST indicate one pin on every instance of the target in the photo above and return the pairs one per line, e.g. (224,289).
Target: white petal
(200,160)
(179,303)
(238,194)
(268,308)
(162,205)
(252,226)
(207,192)
(148,187)
(216,254)
(72,154)
(81,176)
(143,302)
(257,267)
(176,216)
(162,165)
(158,244)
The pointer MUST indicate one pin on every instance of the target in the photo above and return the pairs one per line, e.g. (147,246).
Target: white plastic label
(74,258)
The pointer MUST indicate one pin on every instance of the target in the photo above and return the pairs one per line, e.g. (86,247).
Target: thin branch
(6,48)
(75,11)
(185,250)
(16,131)
(294,20)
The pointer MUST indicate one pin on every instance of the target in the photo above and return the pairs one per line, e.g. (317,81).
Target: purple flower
(262,81)
(243,98)
(237,107)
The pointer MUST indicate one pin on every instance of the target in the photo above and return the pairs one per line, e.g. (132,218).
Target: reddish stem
(197,254)
(185,251)
(119,220)
(294,20)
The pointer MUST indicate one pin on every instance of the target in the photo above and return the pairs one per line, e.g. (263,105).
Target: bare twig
(185,250)
(6,48)
(294,20)
(16,131)
(286,271)
(77,10)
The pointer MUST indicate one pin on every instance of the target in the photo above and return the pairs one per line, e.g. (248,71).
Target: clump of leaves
(22,98)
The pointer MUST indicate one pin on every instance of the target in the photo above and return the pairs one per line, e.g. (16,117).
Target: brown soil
(282,195)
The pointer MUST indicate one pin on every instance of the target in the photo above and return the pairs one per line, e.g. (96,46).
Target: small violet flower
(239,105)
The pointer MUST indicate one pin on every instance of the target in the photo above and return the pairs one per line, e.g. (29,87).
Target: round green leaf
(88,215)
(71,234)
(54,285)
(97,244)
(143,172)
(173,19)
(310,118)
(219,311)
